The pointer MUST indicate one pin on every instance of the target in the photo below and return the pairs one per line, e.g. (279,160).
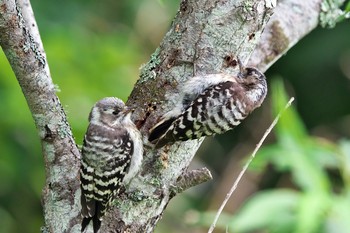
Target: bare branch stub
(190,179)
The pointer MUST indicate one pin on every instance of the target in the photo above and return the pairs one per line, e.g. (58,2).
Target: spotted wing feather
(216,110)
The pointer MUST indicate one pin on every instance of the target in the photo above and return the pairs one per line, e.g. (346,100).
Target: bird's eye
(115,112)
(249,72)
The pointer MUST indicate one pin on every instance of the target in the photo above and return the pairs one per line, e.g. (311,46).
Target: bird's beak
(128,110)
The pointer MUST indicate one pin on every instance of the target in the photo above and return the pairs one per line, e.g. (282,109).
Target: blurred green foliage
(314,202)
(95,49)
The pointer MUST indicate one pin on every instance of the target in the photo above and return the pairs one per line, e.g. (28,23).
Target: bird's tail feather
(159,131)
(95,221)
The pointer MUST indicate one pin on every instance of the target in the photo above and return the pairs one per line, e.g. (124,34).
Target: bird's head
(107,111)
(254,82)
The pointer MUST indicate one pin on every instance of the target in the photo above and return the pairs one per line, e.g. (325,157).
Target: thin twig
(244,169)
(190,179)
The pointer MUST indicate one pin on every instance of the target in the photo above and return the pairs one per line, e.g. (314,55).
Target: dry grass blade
(244,169)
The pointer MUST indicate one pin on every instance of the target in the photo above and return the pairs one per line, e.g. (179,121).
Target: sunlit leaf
(290,125)
(312,211)
(345,161)
(339,214)
(294,151)
(266,210)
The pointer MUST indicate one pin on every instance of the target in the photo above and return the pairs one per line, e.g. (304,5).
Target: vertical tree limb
(20,41)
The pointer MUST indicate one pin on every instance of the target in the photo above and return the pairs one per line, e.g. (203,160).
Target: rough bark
(292,20)
(20,41)
(204,38)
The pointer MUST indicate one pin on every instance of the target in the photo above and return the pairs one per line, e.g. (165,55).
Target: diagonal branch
(205,37)
(292,20)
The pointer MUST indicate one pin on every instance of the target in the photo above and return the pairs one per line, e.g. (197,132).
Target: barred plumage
(111,156)
(211,104)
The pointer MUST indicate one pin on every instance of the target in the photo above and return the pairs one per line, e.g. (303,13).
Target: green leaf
(290,123)
(313,207)
(267,210)
(295,151)
(347,8)
(339,214)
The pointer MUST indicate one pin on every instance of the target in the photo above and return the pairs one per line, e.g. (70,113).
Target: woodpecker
(111,155)
(211,104)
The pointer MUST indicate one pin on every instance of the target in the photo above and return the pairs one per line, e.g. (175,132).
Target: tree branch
(20,41)
(204,38)
(292,20)
(190,179)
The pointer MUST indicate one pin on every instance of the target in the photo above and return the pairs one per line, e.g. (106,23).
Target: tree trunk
(204,38)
